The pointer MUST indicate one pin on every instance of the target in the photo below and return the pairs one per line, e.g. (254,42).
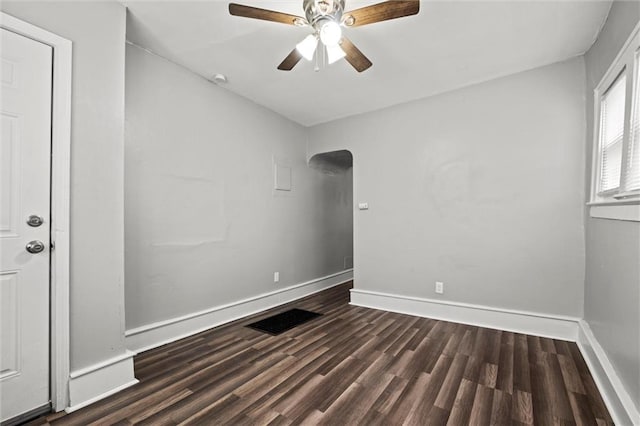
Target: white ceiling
(448,45)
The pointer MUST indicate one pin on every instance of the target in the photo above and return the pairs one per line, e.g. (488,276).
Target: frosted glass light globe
(307,47)
(330,33)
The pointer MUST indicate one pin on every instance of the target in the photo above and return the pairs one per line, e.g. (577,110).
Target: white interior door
(25,158)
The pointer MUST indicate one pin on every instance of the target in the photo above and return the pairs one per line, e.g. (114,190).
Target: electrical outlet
(276,277)
(439,287)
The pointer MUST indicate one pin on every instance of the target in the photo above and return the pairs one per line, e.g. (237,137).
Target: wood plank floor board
(463,404)
(451,348)
(472,369)
(354,366)
(449,388)
(388,399)
(401,343)
(482,406)
(570,373)
(560,399)
(407,405)
(522,407)
(437,416)
(504,381)
(501,408)
(488,375)
(375,370)
(521,373)
(350,411)
(429,353)
(427,394)
(466,345)
(402,365)
(424,326)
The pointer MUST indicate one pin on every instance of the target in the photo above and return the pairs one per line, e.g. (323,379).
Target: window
(632,181)
(612,107)
(616,165)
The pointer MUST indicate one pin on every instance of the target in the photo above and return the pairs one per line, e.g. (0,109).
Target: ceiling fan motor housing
(318,11)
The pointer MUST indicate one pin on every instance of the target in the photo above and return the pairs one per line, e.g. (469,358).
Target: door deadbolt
(35,220)
(35,246)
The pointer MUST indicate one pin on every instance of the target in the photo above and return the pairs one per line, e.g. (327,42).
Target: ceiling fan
(326,18)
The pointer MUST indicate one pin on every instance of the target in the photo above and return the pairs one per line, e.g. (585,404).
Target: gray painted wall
(612,289)
(481,188)
(203,224)
(97,30)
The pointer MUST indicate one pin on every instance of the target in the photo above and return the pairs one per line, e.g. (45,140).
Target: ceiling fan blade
(380,12)
(290,61)
(265,15)
(354,56)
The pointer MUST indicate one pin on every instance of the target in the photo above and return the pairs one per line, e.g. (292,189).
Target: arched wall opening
(338,200)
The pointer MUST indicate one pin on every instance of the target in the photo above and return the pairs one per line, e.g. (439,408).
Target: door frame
(60,206)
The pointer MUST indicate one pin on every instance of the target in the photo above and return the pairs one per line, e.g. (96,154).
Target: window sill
(615,202)
(628,210)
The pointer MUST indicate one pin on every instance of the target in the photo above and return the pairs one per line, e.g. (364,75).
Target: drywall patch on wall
(282,176)
(199,202)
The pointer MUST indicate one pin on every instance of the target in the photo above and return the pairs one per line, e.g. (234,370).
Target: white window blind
(632,178)
(612,109)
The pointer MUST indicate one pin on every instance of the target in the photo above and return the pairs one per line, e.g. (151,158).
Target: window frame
(617,203)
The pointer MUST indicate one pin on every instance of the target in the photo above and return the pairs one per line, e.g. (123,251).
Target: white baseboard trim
(620,404)
(157,334)
(98,381)
(537,324)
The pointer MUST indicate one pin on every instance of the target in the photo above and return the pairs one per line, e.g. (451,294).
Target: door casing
(60,188)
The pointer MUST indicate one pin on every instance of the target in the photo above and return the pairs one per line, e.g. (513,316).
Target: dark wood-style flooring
(353,366)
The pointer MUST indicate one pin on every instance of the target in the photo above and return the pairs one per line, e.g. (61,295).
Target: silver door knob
(35,246)
(35,220)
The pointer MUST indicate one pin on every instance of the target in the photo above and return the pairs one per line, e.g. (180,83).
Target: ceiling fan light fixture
(330,33)
(325,18)
(335,53)
(307,47)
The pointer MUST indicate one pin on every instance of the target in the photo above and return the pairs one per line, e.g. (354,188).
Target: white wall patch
(282,177)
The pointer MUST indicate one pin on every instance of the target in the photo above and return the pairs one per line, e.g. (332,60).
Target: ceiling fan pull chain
(324,56)
(317,68)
